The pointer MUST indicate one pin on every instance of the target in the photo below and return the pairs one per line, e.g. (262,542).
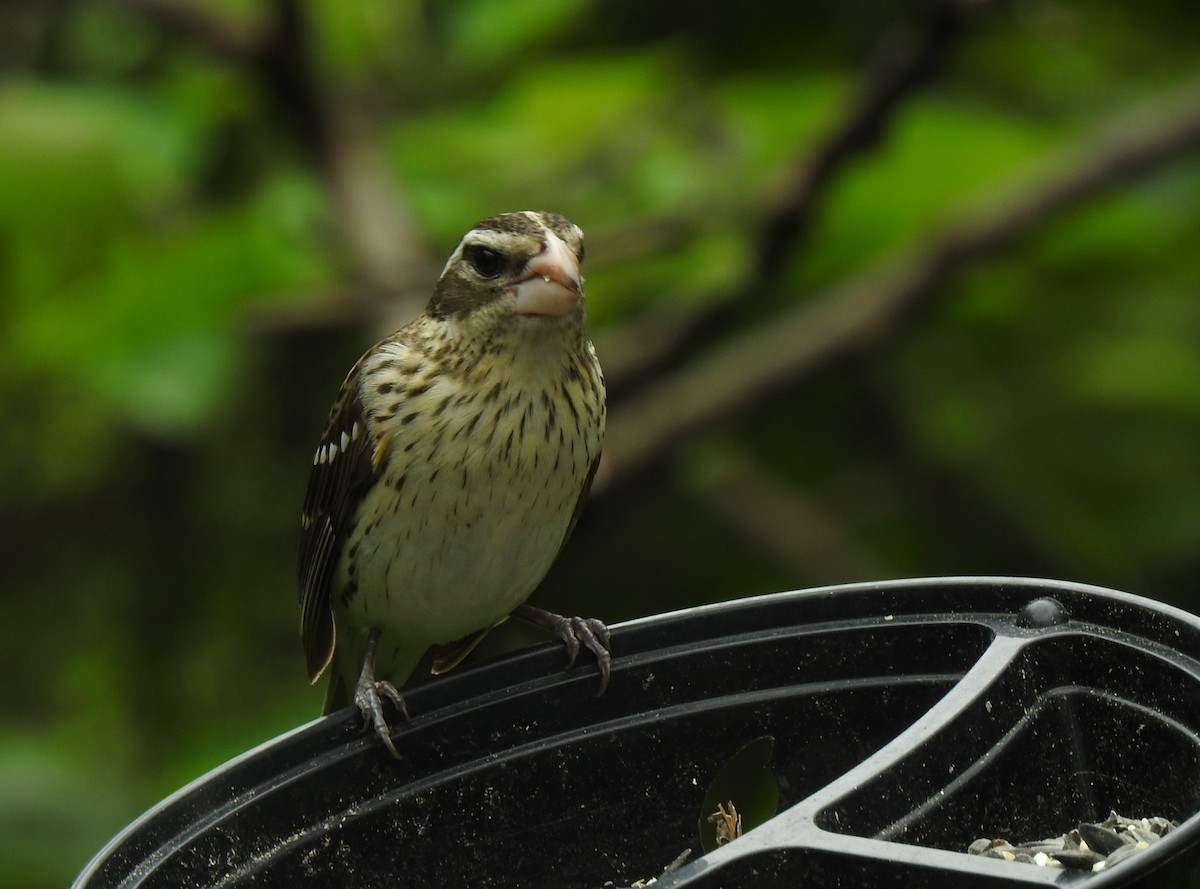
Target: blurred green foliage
(175,273)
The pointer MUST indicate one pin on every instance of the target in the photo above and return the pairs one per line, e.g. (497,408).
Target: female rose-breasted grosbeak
(455,462)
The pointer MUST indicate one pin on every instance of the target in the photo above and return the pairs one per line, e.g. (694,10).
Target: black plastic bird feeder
(909,719)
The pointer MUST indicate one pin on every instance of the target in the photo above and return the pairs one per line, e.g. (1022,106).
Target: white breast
(474,502)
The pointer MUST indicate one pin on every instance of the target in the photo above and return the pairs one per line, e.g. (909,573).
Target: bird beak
(551,284)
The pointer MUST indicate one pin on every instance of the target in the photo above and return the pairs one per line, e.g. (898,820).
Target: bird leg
(572,632)
(369,695)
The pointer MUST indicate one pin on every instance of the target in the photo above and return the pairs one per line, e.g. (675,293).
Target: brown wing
(342,470)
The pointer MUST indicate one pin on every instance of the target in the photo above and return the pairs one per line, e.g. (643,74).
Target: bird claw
(593,635)
(368,697)
(574,632)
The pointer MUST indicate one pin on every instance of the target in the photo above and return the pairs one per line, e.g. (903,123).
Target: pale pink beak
(551,284)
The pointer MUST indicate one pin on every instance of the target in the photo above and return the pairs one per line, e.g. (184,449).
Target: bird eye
(486,261)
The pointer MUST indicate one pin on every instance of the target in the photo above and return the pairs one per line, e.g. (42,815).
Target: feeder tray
(909,719)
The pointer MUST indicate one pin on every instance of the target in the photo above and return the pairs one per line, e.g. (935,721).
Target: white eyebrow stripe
(501,241)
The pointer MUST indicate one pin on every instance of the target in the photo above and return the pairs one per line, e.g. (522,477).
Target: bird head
(513,266)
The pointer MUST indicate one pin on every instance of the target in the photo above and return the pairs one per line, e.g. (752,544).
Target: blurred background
(882,289)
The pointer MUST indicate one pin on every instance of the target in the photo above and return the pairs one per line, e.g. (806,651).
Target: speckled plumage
(456,457)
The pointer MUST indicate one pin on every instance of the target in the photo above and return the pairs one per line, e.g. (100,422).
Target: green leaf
(748,784)
(490,31)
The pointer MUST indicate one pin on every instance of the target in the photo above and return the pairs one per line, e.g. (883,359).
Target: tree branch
(905,60)
(338,142)
(203,27)
(791,524)
(740,373)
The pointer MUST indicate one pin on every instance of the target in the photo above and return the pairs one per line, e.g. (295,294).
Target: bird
(453,467)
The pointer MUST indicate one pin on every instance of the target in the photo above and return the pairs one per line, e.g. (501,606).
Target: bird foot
(369,695)
(575,632)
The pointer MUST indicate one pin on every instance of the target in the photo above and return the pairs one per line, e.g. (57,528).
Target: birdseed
(1087,846)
